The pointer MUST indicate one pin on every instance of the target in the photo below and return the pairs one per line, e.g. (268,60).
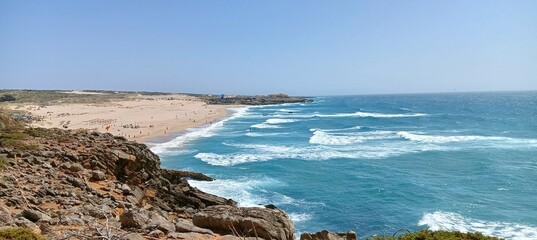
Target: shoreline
(159,139)
(144,119)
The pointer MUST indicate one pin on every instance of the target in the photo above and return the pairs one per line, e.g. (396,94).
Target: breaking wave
(456,222)
(375,115)
(175,146)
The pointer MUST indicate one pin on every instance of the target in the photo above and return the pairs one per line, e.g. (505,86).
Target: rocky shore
(69,184)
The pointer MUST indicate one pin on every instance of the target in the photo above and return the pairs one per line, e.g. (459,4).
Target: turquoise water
(376,164)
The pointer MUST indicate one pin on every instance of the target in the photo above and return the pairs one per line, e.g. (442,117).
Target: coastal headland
(77,182)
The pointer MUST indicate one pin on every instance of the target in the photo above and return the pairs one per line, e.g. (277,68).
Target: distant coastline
(138,116)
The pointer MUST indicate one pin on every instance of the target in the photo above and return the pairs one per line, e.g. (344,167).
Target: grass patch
(13,134)
(19,234)
(437,235)
(3,162)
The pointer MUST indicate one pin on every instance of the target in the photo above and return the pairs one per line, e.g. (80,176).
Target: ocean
(376,164)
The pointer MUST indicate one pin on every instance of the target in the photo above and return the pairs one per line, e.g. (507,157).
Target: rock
(71,156)
(231,237)
(175,176)
(156,234)
(133,236)
(5,216)
(65,165)
(45,227)
(23,222)
(76,167)
(326,235)
(76,182)
(159,222)
(98,175)
(124,156)
(251,222)
(34,215)
(125,189)
(131,219)
(183,225)
(177,235)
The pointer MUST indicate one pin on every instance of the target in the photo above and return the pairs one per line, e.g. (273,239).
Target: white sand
(139,119)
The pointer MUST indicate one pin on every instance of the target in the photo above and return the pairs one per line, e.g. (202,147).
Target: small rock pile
(81,185)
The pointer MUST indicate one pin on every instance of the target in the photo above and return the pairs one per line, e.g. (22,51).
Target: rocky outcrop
(249,222)
(79,184)
(326,235)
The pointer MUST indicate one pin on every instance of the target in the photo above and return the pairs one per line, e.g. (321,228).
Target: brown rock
(183,225)
(326,235)
(133,236)
(250,222)
(34,215)
(131,219)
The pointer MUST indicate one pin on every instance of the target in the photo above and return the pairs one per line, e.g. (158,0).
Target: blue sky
(260,47)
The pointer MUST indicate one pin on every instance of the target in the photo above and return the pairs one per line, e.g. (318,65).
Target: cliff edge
(78,185)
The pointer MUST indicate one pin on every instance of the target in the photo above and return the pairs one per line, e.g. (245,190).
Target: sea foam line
(172,147)
(375,115)
(456,222)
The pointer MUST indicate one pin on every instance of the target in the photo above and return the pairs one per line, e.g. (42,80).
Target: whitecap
(263,134)
(375,115)
(324,138)
(300,217)
(279,120)
(447,139)
(264,125)
(231,159)
(456,222)
(240,190)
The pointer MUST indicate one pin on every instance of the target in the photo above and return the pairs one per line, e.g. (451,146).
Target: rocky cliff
(81,185)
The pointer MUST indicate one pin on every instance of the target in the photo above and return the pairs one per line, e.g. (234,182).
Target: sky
(261,47)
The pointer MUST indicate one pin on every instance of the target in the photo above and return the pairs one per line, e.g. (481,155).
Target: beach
(138,118)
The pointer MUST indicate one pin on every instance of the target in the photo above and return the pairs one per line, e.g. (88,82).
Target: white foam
(231,159)
(289,110)
(261,152)
(448,139)
(337,129)
(264,125)
(299,217)
(262,134)
(279,120)
(456,222)
(240,190)
(323,138)
(175,145)
(376,115)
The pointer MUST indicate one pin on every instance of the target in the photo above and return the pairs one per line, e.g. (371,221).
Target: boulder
(5,216)
(131,219)
(34,215)
(246,222)
(133,236)
(177,235)
(326,235)
(98,175)
(25,223)
(183,225)
(160,223)
(157,234)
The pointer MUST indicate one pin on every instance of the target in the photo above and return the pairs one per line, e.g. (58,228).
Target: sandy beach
(139,118)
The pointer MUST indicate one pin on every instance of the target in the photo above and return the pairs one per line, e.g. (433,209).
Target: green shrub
(437,235)
(7,98)
(19,234)
(3,162)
